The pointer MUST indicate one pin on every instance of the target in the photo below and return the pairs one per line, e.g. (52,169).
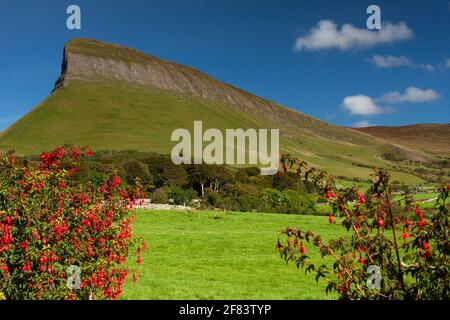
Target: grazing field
(216,255)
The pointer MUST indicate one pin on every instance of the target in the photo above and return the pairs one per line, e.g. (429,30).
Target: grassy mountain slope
(427,138)
(112,97)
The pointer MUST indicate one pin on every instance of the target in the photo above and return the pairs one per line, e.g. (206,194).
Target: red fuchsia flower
(26,267)
(302,249)
(404,235)
(5,268)
(426,247)
(114,182)
(330,195)
(361,198)
(407,224)
(330,218)
(75,153)
(89,153)
(419,213)
(354,254)
(361,260)
(340,275)
(344,288)
(380,222)
(295,242)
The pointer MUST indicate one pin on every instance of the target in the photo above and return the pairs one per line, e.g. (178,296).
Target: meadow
(218,255)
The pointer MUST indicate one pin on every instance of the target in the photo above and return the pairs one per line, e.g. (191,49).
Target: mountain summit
(94,61)
(113,97)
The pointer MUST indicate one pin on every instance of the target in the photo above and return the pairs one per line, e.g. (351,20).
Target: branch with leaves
(412,257)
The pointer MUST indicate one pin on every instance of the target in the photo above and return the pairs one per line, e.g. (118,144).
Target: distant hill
(427,138)
(112,97)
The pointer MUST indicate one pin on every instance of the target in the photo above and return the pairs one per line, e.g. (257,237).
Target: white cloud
(390,61)
(395,62)
(411,94)
(363,124)
(327,35)
(361,105)
(426,67)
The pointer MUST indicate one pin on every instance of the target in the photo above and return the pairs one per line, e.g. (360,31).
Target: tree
(165,173)
(134,169)
(218,176)
(199,176)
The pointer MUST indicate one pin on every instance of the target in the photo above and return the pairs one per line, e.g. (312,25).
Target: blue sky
(296,53)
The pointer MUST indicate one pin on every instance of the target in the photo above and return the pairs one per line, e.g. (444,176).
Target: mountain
(426,138)
(112,97)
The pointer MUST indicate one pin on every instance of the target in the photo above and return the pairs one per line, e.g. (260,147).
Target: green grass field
(216,255)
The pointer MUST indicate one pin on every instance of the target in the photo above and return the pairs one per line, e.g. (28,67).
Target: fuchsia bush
(49,223)
(410,250)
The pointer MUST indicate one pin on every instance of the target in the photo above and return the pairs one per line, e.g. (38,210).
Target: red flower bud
(380,222)
(329,195)
(361,198)
(302,249)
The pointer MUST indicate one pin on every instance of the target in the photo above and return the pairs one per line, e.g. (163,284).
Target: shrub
(299,202)
(286,181)
(165,173)
(407,259)
(159,196)
(273,200)
(181,196)
(49,223)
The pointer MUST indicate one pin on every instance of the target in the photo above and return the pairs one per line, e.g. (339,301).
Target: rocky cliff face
(151,71)
(91,60)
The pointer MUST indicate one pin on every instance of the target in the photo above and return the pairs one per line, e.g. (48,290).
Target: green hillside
(107,110)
